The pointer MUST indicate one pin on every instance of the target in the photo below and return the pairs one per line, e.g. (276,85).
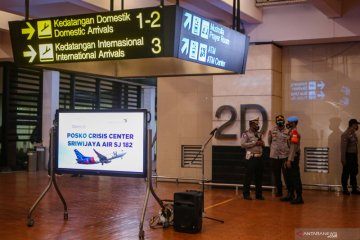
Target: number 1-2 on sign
(153,21)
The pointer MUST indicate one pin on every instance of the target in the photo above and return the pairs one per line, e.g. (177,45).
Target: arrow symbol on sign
(321,95)
(345,101)
(345,90)
(187,22)
(321,85)
(30,30)
(185,47)
(31,54)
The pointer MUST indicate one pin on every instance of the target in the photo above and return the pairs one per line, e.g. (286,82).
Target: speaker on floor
(188,211)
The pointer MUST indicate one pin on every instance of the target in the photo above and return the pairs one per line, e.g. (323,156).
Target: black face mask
(256,128)
(280,124)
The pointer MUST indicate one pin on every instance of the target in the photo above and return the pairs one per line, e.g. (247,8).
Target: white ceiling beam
(207,10)
(331,8)
(6,17)
(248,11)
(128,4)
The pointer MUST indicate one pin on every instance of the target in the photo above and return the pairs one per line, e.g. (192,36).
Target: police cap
(255,120)
(293,119)
(353,121)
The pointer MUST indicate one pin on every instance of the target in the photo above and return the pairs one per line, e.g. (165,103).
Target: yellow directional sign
(29,30)
(168,31)
(44,29)
(129,34)
(46,52)
(31,54)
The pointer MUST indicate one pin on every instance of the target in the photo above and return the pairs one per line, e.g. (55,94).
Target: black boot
(355,191)
(278,193)
(247,197)
(288,198)
(297,200)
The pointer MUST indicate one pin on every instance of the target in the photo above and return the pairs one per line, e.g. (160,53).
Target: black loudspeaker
(188,211)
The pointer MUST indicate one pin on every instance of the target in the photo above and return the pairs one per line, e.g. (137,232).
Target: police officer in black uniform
(349,157)
(292,164)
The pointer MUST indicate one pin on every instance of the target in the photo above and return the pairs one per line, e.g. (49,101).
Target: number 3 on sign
(156,42)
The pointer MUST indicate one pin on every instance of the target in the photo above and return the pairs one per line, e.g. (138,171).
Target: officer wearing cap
(349,157)
(292,169)
(252,141)
(279,151)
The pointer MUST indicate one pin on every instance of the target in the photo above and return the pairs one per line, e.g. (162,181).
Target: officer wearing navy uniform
(279,150)
(349,157)
(253,144)
(292,169)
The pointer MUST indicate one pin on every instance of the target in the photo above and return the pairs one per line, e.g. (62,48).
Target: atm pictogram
(44,29)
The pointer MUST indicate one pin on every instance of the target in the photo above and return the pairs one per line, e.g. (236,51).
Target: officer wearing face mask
(279,151)
(349,157)
(252,141)
(292,168)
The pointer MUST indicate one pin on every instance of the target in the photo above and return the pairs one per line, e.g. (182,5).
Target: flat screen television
(110,143)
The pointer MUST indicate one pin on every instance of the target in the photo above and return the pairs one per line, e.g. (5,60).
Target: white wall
(261,84)
(323,120)
(304,23)
(184,118)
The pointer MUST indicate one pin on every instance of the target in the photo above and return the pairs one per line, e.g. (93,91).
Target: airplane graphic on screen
(107,159)
(81,159)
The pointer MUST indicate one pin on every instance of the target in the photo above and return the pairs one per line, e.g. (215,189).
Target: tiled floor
(110,208)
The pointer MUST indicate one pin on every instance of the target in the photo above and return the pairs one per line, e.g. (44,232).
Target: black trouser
(277,166)
(292,177)
(253,169)
(350,168)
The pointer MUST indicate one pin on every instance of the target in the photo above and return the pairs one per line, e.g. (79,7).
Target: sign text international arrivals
(136,33)
(168,31)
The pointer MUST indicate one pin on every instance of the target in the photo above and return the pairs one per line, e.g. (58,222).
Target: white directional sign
(307,90)
(211,43)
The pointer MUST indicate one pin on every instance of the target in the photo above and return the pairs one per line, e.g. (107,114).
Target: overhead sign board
(207,42)
(136,33)
(168,31)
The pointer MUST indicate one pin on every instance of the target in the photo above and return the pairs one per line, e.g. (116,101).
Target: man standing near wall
(292,164)
(279,151)
(252,141)
(349,157)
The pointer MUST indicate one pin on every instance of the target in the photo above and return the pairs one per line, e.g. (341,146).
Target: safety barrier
(207,182)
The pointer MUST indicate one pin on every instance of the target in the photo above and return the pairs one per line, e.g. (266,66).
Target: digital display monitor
(112,143)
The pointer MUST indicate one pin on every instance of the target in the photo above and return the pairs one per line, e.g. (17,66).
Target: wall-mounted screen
(101,143)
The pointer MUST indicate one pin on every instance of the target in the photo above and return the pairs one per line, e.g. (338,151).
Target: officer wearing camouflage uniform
(253,144)
(279,150)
